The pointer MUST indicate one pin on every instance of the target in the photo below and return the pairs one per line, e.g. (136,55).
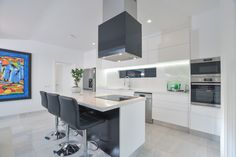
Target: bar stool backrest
(44,100)
(53,104)
(69,111)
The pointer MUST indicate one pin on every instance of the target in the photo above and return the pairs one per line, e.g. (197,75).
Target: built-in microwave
(207,66)
(206,82)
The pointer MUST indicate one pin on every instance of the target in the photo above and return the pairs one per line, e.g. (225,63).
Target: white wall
(90,58)
(205,34)
(228,48)
(43,60)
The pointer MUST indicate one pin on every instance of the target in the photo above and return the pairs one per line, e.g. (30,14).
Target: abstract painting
(15,75)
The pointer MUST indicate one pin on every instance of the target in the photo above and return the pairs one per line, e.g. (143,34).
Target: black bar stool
(54,108)
(70,113)
(44,100)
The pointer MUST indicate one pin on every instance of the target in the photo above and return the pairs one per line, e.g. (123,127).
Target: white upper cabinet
(169,46)
(179,52)
(205,35)
(153,42)
(175,38)
(160,47)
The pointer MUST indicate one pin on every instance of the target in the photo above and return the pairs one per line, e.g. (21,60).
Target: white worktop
(90,100)
(142,90)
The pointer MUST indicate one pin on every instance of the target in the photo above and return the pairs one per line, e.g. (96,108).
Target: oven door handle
(206,104)
(206,84)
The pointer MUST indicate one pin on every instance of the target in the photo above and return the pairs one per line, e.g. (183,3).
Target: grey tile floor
(22,136)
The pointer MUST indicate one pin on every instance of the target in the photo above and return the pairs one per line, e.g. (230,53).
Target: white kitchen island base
(123,131)
(132,128)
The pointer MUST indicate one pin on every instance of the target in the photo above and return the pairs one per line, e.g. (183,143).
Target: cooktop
(116,97)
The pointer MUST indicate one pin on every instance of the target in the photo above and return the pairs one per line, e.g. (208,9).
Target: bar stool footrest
(56,135)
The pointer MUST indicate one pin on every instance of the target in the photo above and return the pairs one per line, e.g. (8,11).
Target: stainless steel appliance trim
(205,60)
(148,105)
(206,75)
(206,84)
(206,104)
(89,76)
(209,78)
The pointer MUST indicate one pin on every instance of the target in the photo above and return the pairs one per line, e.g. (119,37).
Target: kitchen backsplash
(178,73)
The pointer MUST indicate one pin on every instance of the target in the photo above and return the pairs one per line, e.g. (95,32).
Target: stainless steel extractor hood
(120,36)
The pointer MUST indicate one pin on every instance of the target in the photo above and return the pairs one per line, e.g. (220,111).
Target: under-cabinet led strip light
(158,65)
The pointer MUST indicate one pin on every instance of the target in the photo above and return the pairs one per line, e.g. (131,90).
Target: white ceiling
(68,23)
(73,23)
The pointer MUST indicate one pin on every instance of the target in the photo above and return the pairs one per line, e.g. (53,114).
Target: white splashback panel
(164,74)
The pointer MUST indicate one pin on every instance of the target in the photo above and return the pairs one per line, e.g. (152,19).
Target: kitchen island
(124,129)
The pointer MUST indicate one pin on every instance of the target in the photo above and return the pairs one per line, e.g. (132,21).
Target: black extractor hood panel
(120,38)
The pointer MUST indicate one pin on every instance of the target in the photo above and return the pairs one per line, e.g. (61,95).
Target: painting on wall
(15,75)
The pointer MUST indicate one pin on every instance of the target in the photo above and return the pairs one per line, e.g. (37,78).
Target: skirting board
(23,114)
(205,135)
(190,131)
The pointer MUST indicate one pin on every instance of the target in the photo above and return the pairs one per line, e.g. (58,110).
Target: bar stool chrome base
(57,134)
(68,147)
(67,150)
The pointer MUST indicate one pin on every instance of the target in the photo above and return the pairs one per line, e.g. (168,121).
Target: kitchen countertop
(89,99)
(144,90)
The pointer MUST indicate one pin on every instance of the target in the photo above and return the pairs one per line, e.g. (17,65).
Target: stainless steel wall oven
(206,82)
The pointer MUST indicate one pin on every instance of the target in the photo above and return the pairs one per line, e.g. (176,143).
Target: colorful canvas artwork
(15,75)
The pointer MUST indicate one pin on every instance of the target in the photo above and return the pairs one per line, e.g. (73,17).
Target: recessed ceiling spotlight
(73,36)
(149,21)
(120,54)
(134,58)
(118,61)
(93,43)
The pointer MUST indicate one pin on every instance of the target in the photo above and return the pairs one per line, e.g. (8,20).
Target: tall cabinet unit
(205,43)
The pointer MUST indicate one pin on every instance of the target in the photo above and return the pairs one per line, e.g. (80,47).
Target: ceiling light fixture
(118,61)
(93,43)
(120,54)
(149,21)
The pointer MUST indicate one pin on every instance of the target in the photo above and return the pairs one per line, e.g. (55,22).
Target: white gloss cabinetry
(175,108)
(160,47)
(132,128)
(205,39)
(168,46)
(206,119)
(205,43)
(171,108)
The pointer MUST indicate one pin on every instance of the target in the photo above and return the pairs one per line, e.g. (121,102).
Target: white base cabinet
(175,108)
(171,108)
(206,119)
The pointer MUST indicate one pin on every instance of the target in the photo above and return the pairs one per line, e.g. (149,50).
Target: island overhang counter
(124,130)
